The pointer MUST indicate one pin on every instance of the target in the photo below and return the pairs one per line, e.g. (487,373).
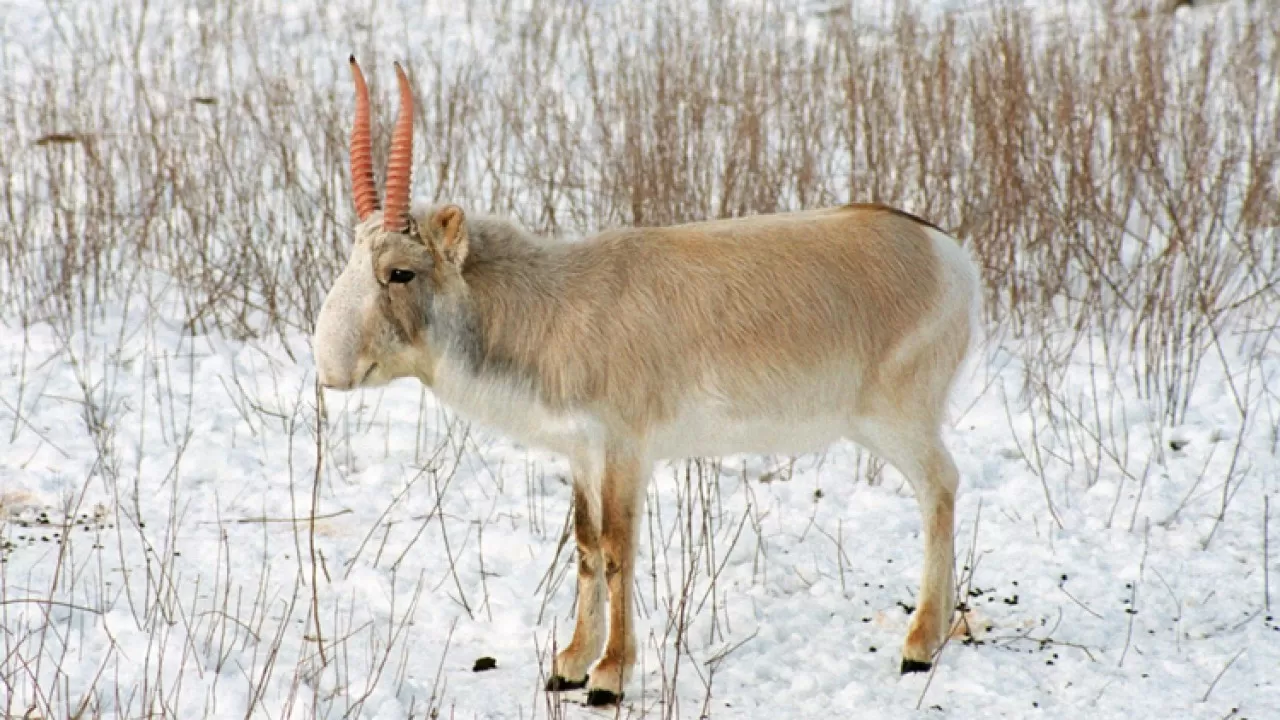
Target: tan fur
(588,633)
(621,503)
(651,342)
(642,315)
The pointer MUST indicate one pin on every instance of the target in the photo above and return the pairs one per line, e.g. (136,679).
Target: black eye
(401,276)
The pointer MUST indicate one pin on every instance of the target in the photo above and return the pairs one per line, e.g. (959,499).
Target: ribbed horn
(400,161)
(362,185)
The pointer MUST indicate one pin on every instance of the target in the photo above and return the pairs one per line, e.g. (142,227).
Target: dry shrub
(1114,174)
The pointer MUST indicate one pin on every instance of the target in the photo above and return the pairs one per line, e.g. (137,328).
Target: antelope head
(373,326)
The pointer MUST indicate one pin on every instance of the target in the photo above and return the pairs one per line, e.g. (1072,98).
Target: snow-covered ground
(437,546)
(157,491)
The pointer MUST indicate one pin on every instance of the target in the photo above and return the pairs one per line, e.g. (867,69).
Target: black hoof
(915,666)
(596,698)
(558,683)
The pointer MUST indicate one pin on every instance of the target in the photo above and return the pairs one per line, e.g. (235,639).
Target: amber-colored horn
(400,161)
(362,185)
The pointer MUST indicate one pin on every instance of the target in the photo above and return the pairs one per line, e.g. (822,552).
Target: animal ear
(448,234)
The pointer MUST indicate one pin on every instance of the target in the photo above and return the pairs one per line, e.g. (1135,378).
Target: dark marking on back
(881,207)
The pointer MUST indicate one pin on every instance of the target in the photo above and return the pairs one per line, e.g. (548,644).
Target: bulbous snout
(342,381)
(337,342)
(335,359)
(336,379)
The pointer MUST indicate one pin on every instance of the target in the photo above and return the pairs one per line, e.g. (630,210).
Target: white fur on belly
(706,430)
(707,425)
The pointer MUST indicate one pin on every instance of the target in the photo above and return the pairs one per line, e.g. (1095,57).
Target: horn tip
(351,58)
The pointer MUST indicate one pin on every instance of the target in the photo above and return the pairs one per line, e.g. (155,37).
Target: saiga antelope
(767,334)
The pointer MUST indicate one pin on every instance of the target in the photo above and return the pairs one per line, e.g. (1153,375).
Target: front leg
(569,672)
(622,500)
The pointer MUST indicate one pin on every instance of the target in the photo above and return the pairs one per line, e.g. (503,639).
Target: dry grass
(1086,165)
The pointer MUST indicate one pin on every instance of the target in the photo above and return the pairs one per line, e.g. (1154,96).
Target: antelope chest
(515,411)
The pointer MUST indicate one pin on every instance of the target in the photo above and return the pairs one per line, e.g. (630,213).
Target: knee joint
(614,561)
(612,566)
(588,563)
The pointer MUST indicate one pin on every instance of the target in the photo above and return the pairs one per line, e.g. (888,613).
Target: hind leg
(922,458)
(935,492)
